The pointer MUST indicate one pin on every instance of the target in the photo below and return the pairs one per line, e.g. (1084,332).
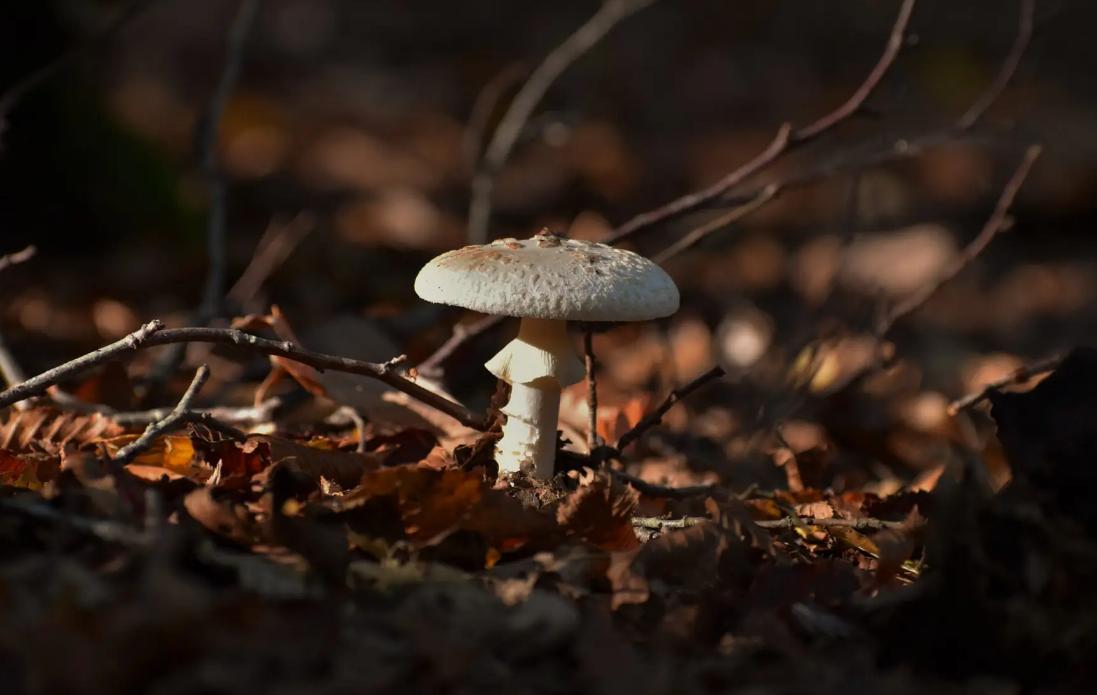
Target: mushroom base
(529,434)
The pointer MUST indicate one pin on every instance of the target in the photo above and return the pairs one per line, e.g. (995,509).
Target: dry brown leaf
(25,471)
(308,377)
(600,512)
(435,503)
(48,430)
(220,517)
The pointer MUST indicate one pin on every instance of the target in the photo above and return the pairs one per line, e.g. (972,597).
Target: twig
(208,138)
(173,420)
(17,257)
(656,416)
(276,245)
(1008,69)
(995,224)
(38,384)
(785,141)
(592,390)
(349,414)
(525,101)
(30,82)
(154,334)
(482,110)
(9,366)
(791,522)
(1017,376)
(654,490)
(694,237)
(432,365)
(103,529)
(247,414)
(655,523)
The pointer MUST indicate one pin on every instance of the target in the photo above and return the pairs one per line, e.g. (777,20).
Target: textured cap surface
(548,277)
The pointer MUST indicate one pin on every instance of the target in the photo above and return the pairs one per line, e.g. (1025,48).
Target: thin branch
(483,108)
(129,452)
(510,127)
(1007,71)
(347,414)
(17,257)
(785,141)
(209,138)
(717,223)
(1017,376)
(656,523)
(38,384)
(656,416)
(997,222)
(238,415)
(154,334)
(276,245)
(592,390)
(698,199)
(864,524)
(654,490)
(103,529)
(29,83)
(432,365)
(10,369)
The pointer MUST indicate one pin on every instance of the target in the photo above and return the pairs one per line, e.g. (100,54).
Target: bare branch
(276,245)
(592,390)
(525,101)
(173,420)
(432,365)
(717,223)
(656,416)
(38,384)
(103,529)
(995,224)
(232,415)
(17,257)
(785,141)
(9,366)
(1008,69)
(657,523)
(653,490)
(864,524)
(1017,376)
(482,110)
(209,137)
(154,334)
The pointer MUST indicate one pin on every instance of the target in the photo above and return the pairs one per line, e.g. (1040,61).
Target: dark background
(356,112)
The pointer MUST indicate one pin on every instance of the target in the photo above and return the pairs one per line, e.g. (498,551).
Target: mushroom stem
(529,434)
(537,364)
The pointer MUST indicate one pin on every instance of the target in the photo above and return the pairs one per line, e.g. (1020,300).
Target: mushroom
(546,281)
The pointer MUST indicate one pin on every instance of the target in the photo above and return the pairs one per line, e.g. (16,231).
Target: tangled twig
(510,127)
(154,334)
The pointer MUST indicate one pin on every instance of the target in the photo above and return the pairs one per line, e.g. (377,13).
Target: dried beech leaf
(308,377)
(21,471)
(222,518)
(601,513)
(48,430)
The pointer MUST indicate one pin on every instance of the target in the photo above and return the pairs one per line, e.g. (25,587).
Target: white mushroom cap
(547,277)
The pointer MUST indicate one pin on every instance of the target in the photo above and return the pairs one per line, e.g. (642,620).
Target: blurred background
(355,128)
